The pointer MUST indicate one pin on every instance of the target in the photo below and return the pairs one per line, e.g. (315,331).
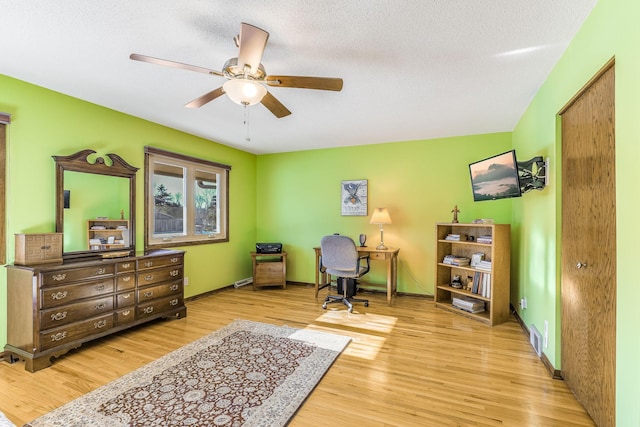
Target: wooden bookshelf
(100,232)
(497,251)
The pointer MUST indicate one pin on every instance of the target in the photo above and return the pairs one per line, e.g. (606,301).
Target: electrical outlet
(523,303)
(186,281)
(545,338)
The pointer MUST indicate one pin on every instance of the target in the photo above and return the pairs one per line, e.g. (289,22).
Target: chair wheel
(366,304)
(350,309)
(324,305)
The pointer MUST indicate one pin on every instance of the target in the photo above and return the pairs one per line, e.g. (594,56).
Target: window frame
(5,119)
(152,154)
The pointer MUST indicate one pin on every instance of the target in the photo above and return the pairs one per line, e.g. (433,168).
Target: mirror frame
(79,162)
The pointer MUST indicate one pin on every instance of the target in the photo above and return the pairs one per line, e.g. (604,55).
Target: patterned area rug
(245,374)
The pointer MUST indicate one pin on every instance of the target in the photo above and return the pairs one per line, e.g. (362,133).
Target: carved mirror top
(115,166)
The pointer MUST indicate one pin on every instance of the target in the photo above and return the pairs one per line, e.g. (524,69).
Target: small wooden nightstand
(269,269)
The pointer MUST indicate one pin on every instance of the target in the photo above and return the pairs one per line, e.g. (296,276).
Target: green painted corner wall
(299,200)
(46,123)
(611,31)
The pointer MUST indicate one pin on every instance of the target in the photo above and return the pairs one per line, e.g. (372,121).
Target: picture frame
(353,197)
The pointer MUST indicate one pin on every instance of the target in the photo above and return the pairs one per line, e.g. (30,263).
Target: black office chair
(340,258)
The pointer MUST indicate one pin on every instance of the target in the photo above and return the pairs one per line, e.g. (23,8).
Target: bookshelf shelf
(492,288)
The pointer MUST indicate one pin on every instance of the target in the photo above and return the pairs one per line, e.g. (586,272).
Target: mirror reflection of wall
(93,196)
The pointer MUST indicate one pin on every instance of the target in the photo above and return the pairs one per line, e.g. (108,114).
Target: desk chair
(340,258)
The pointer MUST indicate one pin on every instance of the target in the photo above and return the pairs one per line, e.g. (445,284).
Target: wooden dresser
(53,308)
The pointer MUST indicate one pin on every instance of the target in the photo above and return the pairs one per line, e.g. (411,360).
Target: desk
(390,255)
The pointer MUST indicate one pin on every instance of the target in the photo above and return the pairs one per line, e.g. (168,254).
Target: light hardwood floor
(409,364)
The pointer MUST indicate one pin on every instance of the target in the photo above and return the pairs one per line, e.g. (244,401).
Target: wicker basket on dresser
(52,309)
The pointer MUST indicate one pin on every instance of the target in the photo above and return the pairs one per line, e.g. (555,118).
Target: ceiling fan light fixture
(244,91)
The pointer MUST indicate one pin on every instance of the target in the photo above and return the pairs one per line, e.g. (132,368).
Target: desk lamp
(380,216)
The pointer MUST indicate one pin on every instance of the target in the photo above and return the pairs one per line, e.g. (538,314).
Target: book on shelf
(483,265)
(485,239)
(454,237)
(468,304)
(456,260)
(481,284)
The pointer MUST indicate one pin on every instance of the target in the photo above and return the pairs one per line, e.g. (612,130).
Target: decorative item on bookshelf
(455,212)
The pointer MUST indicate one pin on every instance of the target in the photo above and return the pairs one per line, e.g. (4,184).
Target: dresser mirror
(95,204)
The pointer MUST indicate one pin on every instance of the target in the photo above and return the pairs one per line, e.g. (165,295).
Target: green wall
(46,123)
(419,182)
(612,30)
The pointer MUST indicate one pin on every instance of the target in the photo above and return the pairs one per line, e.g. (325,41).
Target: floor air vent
(536,339)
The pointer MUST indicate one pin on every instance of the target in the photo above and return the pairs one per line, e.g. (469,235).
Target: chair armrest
(360,258)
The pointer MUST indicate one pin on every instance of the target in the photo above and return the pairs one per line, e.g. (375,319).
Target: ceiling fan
(246,77)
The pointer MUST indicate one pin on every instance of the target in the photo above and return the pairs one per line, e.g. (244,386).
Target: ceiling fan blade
(321,83)
(275,106)
(253,40)
(207,97)
(167,63)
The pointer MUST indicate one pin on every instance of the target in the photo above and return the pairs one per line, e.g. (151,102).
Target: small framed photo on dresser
(353,198)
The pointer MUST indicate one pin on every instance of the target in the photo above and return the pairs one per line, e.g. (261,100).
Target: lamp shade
(380,216)
(244,91)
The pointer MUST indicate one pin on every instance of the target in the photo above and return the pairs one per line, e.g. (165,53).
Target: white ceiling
(412,69)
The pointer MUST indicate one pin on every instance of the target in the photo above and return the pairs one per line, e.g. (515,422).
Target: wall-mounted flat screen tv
(495,177)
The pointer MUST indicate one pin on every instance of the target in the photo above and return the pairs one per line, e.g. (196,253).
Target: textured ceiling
(413,69)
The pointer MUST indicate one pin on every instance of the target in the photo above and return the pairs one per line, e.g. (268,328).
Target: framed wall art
(354,197)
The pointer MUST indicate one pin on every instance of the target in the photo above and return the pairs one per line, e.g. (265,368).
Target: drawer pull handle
(148,310)
(59,277)
(174,287)
(126,265)
(174,273)
(100,324)
(101,271)
(126,279)
(125,296)
(59,336)
(59,316)
(174,259)
(59,295)
(148,277)
(148,264)
(100,287)
(173,302)
(148,294)
(126,312)
(100,306)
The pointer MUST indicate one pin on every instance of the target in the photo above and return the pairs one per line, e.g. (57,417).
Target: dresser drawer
(125,316)
(160,275)
(159,291)
(73,312)
(55,278)
(124,266)
(125,281)
(63,295)
(157,307)
(161,261)
(75,331)
(125,299)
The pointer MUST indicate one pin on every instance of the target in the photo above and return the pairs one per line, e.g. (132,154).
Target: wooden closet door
(589,247)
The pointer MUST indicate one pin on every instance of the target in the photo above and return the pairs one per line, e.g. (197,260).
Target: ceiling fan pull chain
(246,123)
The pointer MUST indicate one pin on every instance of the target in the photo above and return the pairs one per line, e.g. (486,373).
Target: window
(186,200)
